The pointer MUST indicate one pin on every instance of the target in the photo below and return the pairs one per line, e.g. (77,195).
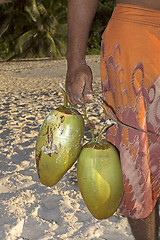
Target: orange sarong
(130,73)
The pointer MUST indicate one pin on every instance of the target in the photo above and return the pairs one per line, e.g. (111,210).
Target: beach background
(29,90)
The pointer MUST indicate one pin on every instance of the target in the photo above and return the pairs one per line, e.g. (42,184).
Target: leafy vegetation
(34,28)
(104,12)
(38,28)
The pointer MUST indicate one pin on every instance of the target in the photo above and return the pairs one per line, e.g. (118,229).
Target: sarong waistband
(136,14)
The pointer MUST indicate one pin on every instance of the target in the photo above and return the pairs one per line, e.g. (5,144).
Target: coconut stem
(108,123)
(64,95)
(89,123)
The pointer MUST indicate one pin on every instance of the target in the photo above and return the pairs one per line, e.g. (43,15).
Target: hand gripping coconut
(59,143)
(100,177)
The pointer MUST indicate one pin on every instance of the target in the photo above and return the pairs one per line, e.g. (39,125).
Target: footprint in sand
(50,209)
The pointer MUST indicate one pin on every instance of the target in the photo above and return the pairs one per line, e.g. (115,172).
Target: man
(130,72)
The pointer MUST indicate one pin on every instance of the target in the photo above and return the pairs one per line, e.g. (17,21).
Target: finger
(88,97)
(70,100)
(88,86)
(88,91)
(76,100)
(81,101)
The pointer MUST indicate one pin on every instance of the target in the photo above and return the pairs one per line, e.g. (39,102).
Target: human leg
(147,228)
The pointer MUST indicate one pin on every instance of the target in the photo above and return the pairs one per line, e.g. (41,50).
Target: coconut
(58,144)
(99,177)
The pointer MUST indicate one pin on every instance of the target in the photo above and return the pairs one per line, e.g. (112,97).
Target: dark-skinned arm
(79,75)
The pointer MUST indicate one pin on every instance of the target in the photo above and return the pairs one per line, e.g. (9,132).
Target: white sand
(29,210)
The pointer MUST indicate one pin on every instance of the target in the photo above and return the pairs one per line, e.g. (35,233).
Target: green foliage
(4,48)
(104,12)
(38,28)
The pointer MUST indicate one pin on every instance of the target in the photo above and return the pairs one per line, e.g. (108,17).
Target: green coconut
(58,144)
(99,177)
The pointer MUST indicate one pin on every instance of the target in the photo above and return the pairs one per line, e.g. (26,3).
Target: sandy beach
(28,210)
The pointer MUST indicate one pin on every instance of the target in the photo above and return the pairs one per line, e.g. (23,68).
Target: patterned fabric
(130,73)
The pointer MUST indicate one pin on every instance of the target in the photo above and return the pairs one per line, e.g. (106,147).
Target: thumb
(88,91)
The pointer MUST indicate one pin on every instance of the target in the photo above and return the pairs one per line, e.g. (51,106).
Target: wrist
(74,61)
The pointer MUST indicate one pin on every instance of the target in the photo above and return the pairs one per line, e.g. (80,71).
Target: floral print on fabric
(128,100)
